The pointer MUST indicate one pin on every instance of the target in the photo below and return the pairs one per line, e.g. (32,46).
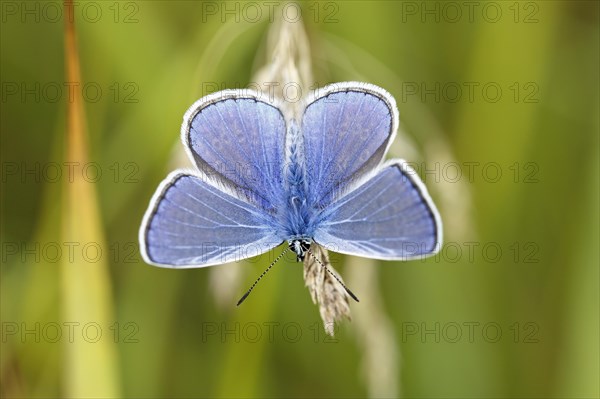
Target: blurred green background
(510,308)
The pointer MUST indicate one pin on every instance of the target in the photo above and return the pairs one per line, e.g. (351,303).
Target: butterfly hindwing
(347,128)
(237,137)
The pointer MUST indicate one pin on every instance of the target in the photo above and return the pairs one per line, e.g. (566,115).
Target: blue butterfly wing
(239,139)
(347,129)
(191,223)
(390,216)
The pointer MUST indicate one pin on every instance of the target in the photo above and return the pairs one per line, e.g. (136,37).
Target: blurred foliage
(152,59)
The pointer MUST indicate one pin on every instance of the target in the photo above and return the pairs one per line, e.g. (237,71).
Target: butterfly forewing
(390,216)
(191,223)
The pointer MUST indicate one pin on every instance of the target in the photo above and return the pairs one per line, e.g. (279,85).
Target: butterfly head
(300,246)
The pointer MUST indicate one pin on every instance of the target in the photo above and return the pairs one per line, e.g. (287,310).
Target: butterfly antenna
(261,276)
(334,276)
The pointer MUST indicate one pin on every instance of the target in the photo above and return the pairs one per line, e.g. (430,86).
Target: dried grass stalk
(325,291)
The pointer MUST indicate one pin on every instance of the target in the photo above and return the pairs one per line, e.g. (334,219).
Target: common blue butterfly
(264,178)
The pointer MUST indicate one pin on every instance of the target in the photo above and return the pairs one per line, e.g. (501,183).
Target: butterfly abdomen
(297,214)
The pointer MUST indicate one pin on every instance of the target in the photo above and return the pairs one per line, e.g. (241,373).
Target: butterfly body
(296,215)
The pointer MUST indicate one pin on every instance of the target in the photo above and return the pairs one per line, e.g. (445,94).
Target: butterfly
(264,177)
